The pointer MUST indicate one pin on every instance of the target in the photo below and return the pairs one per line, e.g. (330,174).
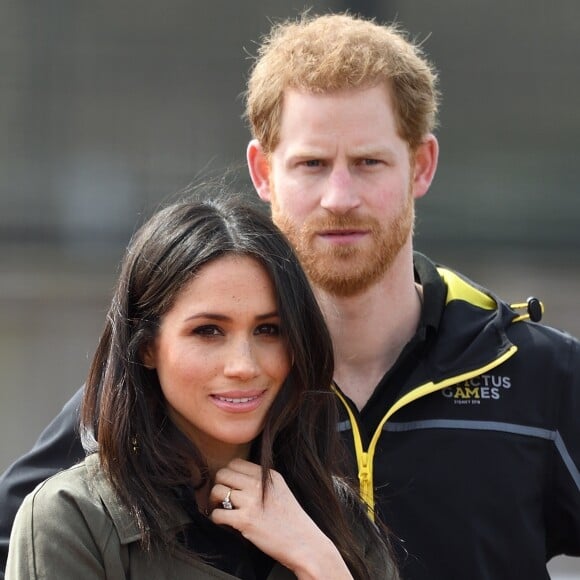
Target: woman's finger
(239,480)
(221,496)
(246,467)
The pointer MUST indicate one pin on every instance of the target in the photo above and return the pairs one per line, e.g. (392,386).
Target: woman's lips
(238,402)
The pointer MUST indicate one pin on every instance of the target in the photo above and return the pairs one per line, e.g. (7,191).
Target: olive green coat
(87,535)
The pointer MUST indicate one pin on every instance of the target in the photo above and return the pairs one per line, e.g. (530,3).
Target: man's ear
(425,165)
(259,168)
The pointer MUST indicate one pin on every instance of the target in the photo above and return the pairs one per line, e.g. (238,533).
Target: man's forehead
(363,116)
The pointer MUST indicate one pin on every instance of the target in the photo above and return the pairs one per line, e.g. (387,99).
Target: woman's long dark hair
(143,454)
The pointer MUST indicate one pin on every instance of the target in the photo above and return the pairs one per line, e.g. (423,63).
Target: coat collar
(123,521)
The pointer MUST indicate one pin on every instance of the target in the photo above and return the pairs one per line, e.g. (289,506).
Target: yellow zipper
(363,459)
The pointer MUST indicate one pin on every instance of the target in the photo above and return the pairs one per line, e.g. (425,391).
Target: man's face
(341,186)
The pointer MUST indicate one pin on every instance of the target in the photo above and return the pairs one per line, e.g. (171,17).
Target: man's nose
(340,195)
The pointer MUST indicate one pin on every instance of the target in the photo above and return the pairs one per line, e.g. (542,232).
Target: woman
(210,398)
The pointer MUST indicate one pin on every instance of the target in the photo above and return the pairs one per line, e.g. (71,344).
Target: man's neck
(370,330)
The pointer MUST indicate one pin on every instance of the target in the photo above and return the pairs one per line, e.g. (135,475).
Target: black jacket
(468,449)
(470,446)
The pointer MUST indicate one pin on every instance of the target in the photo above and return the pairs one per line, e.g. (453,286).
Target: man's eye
(312,163)
(268,329)
(207,330)
(370,161)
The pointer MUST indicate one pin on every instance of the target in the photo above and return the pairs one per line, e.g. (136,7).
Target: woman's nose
(241,361)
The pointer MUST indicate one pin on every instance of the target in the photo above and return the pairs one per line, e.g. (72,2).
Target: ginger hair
(335,52)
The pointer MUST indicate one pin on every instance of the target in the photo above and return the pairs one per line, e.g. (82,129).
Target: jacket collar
(434,293)
(123,521)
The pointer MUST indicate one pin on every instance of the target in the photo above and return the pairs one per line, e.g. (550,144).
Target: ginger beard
(347,270)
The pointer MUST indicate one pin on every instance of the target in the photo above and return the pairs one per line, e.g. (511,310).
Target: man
(462,416)
(460,413)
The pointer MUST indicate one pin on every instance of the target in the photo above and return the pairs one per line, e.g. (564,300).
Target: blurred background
(108,108)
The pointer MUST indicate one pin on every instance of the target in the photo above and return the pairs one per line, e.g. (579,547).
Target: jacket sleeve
(563,501)
(58,447)
(61,531)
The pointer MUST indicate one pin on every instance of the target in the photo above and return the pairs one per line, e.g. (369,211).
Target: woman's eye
(268,329)
(207,330)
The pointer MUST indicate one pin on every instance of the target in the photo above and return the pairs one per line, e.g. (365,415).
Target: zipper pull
(366,484)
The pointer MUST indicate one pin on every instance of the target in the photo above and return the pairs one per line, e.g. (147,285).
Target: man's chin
(343,283)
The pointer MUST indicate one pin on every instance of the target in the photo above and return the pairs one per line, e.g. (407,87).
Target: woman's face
(220,355)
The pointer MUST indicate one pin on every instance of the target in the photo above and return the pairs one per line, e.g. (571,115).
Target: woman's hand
(278,526)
